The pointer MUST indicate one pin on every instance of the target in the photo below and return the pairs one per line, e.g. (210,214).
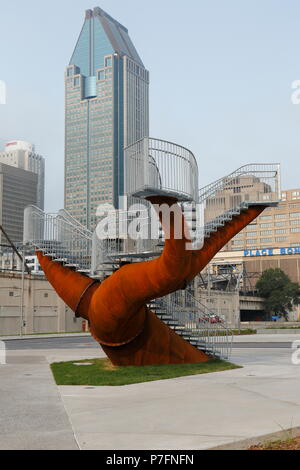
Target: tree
(279,292)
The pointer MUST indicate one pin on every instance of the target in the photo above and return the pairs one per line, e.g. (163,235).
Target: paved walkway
(32,413)
(197,412)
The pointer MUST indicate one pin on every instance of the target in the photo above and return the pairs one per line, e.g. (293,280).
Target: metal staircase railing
(59,236)
(267,173)
(157,167)
(195,323)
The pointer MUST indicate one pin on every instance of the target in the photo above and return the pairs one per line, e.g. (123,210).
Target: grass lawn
(102,372)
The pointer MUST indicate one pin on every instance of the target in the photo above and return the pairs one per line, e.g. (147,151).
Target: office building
(106,86)
(20,154)
(18,189)
(270,241)
(277,227)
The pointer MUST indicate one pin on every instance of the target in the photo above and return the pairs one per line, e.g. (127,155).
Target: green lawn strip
(101,372)
(283,328)
(237,332)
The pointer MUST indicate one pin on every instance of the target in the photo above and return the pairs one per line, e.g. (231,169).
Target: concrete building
(20,154)
(10,262)
(277,227)
(18,189)
(43,311)
(236,190)
(107,109)
(270,241)
(246,270)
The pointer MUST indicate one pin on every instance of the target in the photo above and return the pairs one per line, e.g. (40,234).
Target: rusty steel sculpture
(116,307)
(119,319)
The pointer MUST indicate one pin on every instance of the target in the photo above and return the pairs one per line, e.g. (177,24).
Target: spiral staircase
(156,167)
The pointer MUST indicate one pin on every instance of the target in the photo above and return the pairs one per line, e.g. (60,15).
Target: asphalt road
(51,343)
(89,342)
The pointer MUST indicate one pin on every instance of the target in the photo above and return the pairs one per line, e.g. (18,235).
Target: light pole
(22,292)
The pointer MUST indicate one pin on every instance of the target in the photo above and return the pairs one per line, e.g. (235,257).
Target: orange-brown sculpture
(129,333)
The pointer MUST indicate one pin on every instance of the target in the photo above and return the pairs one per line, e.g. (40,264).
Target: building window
(251,242)
(101,75)
(266,232)
(70,72)
(11,294)
(280,216)
(108,61)
(77,81)
(46,295)
(266,240)
(280,224)
(281,239)
(295,230)
(294,214)
(295,222)
(266,217)
(281,231)
(267,225)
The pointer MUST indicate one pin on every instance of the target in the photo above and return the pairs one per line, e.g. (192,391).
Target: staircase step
(172,324)
(166,318)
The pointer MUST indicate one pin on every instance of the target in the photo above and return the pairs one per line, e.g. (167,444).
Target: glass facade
(107,108)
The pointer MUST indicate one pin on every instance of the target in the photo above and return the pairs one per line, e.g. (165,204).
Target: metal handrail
(191,322)
(176,169)
(207,190)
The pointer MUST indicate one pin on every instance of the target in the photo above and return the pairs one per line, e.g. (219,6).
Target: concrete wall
(223,304)
(43,310)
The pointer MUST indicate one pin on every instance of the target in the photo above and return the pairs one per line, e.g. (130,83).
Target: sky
(221,73)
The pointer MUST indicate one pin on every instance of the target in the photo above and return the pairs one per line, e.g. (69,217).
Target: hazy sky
(220,70)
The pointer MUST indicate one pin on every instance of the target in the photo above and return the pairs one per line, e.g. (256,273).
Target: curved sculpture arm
(220,238)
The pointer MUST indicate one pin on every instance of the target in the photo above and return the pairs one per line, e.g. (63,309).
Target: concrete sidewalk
(197,412)
(32,415)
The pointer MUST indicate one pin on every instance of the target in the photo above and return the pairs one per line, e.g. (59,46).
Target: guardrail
(158,167)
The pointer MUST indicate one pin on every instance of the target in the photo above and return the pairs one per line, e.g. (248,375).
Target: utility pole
(24,266)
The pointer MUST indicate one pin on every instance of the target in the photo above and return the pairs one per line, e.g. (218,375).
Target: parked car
(213,319)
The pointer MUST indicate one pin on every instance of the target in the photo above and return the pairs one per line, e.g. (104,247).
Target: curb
(266,438)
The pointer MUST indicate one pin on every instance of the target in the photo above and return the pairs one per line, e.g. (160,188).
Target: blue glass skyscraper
(106,109)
